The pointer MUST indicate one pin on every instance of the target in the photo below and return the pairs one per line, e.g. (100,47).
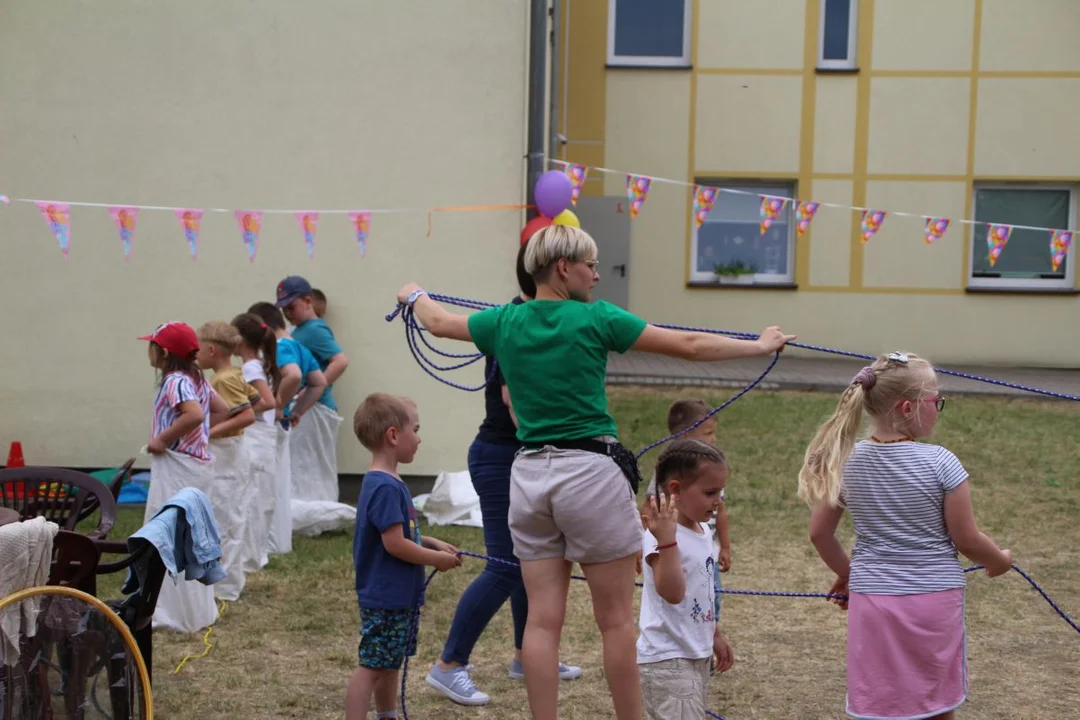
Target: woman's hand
(404,293)
(773,340)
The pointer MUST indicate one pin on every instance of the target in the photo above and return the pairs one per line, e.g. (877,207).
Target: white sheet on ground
(452,501)
(279,538)
(183,605)
(261,441)
(313,451)
(311,518)
(231,491)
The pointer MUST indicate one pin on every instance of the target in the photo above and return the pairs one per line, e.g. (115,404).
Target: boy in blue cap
(313,443)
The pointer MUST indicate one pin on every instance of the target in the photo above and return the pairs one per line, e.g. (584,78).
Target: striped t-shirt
(895,493)
(176,388)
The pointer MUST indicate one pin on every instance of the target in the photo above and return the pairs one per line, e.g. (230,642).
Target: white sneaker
(457,685)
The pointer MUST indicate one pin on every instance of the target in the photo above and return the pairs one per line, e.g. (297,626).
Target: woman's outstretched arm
(707,347)
(434,317)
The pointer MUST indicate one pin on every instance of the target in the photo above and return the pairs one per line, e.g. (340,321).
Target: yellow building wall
(232,105)
(947,94)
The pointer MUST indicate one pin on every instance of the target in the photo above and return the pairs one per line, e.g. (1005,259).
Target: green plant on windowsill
(736,272)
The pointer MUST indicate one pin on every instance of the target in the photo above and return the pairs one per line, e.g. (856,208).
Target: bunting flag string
(190,219)
(997,236)
(771,207)
(1060,241)
(935,228)
(125,218)
(58,217)
(805,211)
(577,175)
(704,197)
(361,222)
(872,221)
(637,189)
(804,216)
(250,222)
(309,222)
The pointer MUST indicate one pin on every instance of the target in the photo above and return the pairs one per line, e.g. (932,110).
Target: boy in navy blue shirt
(389,555)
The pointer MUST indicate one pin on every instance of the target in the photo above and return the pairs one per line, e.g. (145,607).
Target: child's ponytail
(821,476)
(877,388)
(269,354)
(259,335)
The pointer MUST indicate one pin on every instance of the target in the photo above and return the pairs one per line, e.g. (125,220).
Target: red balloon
(534,226)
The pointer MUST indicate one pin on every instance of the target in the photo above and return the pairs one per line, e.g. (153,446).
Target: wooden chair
(58,495)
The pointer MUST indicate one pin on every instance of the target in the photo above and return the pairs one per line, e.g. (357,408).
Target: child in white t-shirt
(679,632)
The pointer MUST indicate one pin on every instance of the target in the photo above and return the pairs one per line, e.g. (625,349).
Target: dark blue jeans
(489,466)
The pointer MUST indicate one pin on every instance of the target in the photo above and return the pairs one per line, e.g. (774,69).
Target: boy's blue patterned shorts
(384,638)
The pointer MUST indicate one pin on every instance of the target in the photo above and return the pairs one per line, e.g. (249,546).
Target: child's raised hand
(662,520)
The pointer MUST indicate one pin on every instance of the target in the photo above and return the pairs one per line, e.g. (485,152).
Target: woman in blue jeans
(490,457)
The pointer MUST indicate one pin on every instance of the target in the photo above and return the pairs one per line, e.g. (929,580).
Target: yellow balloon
(566,218)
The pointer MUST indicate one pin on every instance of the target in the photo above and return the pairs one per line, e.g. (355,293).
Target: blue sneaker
(457,685)
(566,672)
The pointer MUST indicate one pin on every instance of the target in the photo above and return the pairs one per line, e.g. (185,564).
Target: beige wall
(230,105)
(946,95)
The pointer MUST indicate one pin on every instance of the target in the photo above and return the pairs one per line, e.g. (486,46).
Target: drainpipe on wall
(538,49)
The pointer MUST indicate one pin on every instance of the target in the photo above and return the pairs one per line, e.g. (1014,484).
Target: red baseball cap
(175,337)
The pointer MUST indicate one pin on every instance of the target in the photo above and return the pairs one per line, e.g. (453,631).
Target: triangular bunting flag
(871,222)
(4,199)
(125,218)
(996,238)
(577,175)
(58,217)
(771,207)
(309,222)
(704,197)
(250,222)
(935,228)
(637,189)
(190,219)
(362,225)
(1060,240)
(804,215)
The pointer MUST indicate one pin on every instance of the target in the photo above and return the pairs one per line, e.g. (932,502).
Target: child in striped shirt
(910,503)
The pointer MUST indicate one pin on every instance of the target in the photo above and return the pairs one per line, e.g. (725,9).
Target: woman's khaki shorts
(675,689)
(571,504)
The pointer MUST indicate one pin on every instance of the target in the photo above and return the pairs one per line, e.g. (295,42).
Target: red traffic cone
(15,456)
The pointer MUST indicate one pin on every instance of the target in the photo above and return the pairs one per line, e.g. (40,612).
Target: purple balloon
(553,192)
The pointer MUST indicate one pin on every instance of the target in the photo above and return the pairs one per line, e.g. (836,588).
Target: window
(839,34)
(1025,262)
(730,238)
(649,33)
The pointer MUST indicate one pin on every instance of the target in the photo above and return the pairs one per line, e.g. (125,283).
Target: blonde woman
(569,496)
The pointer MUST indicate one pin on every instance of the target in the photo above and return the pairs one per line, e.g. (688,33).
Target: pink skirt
(906,655)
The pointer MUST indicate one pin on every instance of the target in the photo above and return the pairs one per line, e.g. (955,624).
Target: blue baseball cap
(290,289)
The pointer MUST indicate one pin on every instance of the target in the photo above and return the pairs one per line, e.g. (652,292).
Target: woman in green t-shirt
(569,496)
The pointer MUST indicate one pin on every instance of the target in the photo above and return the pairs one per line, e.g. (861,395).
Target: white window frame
(851,63)
(699,276)
(1066,283)
(650,60)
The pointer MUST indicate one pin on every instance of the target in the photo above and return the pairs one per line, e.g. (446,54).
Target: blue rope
(414,624)
(480,305)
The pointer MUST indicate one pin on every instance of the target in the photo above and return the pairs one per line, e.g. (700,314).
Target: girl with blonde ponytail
(911,508)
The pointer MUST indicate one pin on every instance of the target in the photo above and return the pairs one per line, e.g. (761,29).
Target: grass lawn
(285,650)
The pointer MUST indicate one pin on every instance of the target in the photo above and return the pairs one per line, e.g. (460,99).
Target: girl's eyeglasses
(939,402)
